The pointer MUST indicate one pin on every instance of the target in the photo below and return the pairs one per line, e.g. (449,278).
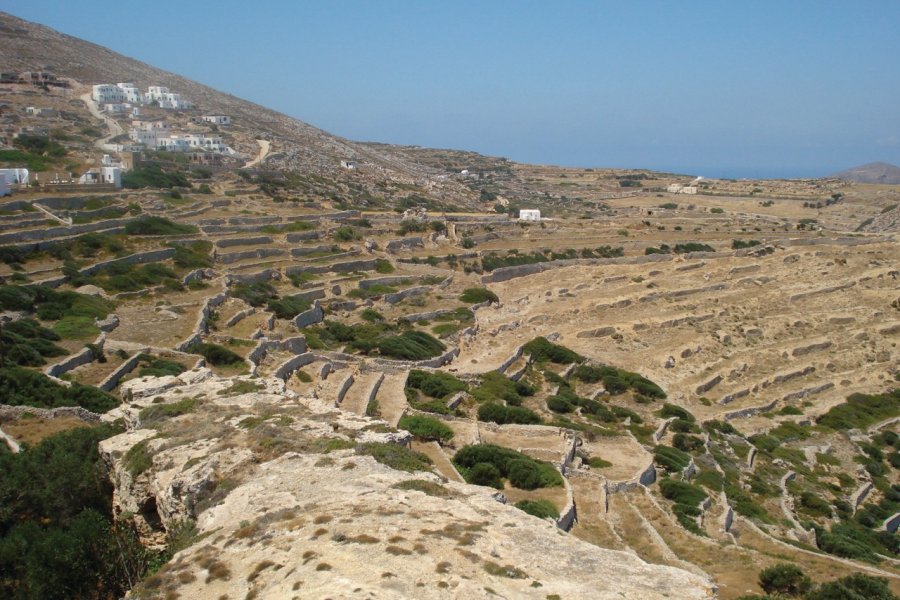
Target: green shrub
(435,384)
(23,387)
(862,410)
(411,345)
(395,456)
(671,459)
(159,367)
(346,234)
(288,308)
(495,386)
(857,586)
(541,349)
(138,459)
(383,266)
(426,428)
(617,381)
(785,579)
(254,294)
(153,176)
(500,414)
(485,474)
(151,225)
(76,328)
(477,295)
(670,410)
(217,355)
(542,509)
(527,471)
(687,443)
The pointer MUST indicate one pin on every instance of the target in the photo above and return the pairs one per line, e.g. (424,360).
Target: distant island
(876,172)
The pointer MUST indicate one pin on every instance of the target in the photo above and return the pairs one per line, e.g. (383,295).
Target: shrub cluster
(486,464)
(617,381)
(477,295)
(542,509)
(862,410)
(541,349)
(254,294)
(426,428)
(151,225)
(671,459)
(435,384)
(498,413)
(153,176)
(687,498)
(27,343)
(288,308)
(217,355)
(411,345)
(24,387)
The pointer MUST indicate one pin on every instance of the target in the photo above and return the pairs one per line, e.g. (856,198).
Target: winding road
(264,146)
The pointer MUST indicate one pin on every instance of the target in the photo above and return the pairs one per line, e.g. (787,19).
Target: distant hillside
(876,172)
(296,146)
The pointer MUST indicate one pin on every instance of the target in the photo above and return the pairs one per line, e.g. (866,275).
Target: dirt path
(113,125)
(264,146)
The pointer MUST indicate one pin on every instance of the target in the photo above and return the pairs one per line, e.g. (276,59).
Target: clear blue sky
(765,88)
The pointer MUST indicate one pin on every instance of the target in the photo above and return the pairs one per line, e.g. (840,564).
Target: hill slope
(296,145)
(876,172)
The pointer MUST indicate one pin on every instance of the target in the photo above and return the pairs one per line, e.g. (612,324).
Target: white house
(528,214)
(677,188)
(41,112)
(348,164)
(130,91)
(217,119)
(116,107)
(106,93)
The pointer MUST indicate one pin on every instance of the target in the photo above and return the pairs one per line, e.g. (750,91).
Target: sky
(715,88)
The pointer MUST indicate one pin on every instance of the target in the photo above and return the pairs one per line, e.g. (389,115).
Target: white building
(116,108)
(111,175)
(217,119)
(107,93)
(131,92)
(528,214)
(41,112)
(165,99)
(348,164)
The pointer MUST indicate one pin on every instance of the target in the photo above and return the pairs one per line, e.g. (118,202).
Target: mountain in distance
(876,172)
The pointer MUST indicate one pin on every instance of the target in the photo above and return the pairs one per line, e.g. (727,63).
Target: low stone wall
(407,293)
(517,353)
(112,380)
(150,256)
(309,317)
(661,430)
(248,278)
(365,284)
(301,236)
(373,391)
(892,523)
(233,257)
(296,344)
(569,513)
(305,250)
(49,233)
(645,478)
(288,367)
(409,243)
(16,412)
(343,389)
(244,241)
(750,411)
(431,363)
(197,275)
(860,495)
(309,295)
(202,326)
(240,316)
(78,359)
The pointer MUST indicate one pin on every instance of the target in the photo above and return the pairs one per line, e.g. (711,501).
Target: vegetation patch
(395,456)
(486,464)
(862,410)
(24,387)
(541,349)
(426,428)
(152,225)
(617,381)
(542,509)
(478,295)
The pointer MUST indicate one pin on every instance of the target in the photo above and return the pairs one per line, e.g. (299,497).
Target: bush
(153,176)
(435,384)
(395,456)
(426,428)
(217,355)
(254,294)
(862,410)
(288,308)
(149,225)
(23,387)
(500,414)
(671,459)
(495,386)
(477,295)
(383,266)
(542,509)
(76,328)
(617,381)
(541,349)
(485,474)
(528,471)
(853,587)
(159,367)
(346,234)
(785,579)
(411,345)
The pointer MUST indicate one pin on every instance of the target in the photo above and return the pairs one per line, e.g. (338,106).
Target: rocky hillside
(296,146)
(876,172)
(295,498)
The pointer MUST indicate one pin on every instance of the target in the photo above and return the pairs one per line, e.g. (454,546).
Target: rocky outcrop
(281,517)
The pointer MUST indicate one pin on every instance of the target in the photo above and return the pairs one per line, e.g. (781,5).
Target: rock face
(288,504)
